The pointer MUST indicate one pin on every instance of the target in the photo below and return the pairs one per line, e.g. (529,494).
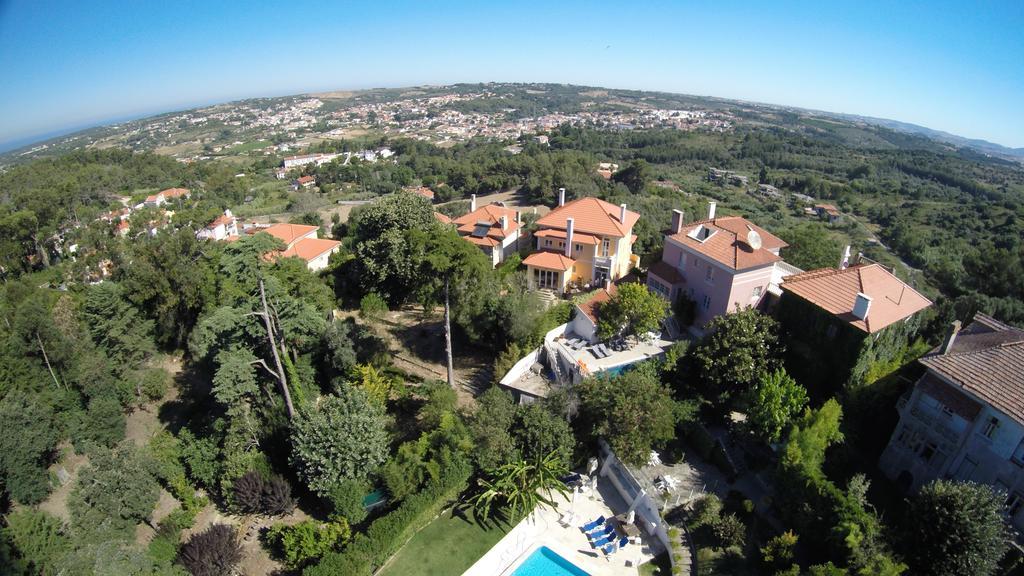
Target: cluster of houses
(963,419)
(300,240)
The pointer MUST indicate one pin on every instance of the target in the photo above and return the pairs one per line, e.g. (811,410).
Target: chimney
(561,196)
(622,213)
(677,222)
(951,334)
(711,210)
(568,237)
(472,202)
(504,222)
(519,217)
(844,260)
(862,305)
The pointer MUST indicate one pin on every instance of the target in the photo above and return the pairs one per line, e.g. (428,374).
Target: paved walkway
(542,528)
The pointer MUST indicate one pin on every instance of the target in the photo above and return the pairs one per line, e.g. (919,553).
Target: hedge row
(367,552)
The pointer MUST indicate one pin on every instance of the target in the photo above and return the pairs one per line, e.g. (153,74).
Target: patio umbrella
(631,517)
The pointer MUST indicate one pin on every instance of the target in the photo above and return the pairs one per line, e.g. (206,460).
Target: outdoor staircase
(547,296)
(552,354)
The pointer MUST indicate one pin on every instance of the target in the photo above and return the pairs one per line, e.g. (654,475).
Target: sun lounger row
(600,351)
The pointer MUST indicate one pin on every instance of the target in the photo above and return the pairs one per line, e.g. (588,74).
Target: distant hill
(983,146)
(241,125)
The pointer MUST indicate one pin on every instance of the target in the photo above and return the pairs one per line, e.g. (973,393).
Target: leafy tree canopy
(955,528)
(634,412)
(633,309)
(343,437)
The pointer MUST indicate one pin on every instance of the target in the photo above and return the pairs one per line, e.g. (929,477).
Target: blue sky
(954,66)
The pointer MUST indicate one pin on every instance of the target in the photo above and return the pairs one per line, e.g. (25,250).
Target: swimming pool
(545,562)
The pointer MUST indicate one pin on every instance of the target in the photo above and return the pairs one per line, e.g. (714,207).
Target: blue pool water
(545,562)
(618,370)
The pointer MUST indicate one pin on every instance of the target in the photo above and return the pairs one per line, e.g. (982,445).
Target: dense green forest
(261,387)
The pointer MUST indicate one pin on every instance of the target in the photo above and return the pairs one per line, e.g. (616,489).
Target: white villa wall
(520,368)
(583,326)
(647,514)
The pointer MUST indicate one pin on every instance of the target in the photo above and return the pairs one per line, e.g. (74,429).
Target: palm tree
(522,485)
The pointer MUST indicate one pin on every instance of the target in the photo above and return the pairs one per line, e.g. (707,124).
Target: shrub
(729,531)
(778,552)
(247,492)
(153,383)
(347,500)
(277,496)
(372,307)
(706,511)
(253,493)
(214,552)
(307,540)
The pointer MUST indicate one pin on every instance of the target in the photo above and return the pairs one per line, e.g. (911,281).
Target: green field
(448,546)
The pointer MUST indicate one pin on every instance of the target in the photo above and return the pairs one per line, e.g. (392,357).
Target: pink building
(719,263)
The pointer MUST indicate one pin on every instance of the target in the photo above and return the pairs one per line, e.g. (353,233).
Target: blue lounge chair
(609,549)
(601,532)
(591,525)
(623,541)
(599,543)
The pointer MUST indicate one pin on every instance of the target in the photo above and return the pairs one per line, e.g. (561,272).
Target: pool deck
(639,351)
(542,528)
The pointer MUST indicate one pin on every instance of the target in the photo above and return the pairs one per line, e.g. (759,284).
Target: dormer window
(702,233)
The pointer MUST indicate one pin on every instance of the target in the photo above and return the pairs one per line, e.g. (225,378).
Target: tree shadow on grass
(499,518)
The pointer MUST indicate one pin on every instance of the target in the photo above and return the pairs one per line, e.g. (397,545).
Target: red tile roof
(728,242)
(175,192)
(987,360)
(491,214)
(560,234)
(443,219)
(303,180)
(222,219)
(309,248)
(835,291)
(591,216)
(592,307)
(422,191)
(287,233)
(549,261)
(485,241)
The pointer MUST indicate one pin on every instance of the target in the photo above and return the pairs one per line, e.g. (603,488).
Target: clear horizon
(946,66)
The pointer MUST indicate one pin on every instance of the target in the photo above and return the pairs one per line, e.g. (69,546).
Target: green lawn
(448,546)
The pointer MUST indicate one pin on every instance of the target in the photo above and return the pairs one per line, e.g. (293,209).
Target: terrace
(590,361)
(545,528)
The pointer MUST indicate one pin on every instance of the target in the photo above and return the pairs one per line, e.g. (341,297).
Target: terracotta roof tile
(491,214)
(592,307)
(309,248)
(591,216)
(549,261)
(560,234)
(835,291)
(287,233)
(728,242)
(995,374)
(443,219)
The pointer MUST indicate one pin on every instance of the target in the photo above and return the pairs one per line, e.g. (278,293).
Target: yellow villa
(582,243)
